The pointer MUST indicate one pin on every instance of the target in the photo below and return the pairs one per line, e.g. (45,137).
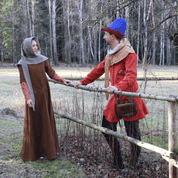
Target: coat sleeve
(94,74)
(129,83)
(49,70)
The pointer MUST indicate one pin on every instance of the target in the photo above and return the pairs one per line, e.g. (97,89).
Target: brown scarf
(124,49)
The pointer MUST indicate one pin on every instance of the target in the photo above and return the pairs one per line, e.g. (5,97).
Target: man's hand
(29,103)
(76,84)
(110,89)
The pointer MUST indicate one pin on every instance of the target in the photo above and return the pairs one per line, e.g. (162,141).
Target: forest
(69,31)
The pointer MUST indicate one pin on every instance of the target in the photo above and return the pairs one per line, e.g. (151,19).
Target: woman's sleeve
(57,78)
(23,83)
(49,70)
(22,78)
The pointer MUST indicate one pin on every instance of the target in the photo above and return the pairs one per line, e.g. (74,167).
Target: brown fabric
(40,136)
(57,78)
(124,49)
(25,90)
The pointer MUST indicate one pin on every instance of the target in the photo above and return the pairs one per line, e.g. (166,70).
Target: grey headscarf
(28,57)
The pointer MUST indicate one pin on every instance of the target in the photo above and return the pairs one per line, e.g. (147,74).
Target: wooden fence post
(173,134)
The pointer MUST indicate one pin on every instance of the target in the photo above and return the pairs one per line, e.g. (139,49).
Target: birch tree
(81,33)
(13,43)
(161,40)
(127,19)
(29,18)
(33,17)
(69,34)
(25,22)
(54,32)
(154,33)
(138,33)
(50,30)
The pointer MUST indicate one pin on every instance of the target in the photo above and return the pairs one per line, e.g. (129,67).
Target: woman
(40,137)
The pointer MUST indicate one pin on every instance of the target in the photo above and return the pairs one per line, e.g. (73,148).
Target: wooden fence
(169,155)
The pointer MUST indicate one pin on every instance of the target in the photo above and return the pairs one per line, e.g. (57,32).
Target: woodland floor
(78,156)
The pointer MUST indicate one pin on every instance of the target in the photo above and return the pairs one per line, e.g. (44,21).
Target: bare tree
(50,30)
(29,18)
(33,17)
(25,22)
(81,33)
(154,33)
(138,33)
(54,32)
(69,34)
(13,39)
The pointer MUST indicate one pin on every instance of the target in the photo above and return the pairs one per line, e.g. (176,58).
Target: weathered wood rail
(169,155)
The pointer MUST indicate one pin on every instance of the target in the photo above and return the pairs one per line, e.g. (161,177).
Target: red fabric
(123,76)
(116,33)
(57,78)
(25,91)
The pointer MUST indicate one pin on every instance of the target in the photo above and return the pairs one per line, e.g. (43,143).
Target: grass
(11,164)
(67,99)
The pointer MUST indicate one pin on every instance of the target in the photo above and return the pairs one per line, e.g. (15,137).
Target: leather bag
(125,109)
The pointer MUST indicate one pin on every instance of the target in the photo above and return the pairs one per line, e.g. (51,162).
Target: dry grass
(89,106)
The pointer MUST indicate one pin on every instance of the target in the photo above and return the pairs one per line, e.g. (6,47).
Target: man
(121,63)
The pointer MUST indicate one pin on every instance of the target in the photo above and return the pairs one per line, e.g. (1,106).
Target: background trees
(69,31)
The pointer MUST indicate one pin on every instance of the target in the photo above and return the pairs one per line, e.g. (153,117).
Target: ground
(81,154)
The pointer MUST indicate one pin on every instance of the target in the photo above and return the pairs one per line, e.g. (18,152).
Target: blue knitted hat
(117,27)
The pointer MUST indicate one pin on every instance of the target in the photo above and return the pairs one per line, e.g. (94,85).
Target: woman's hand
(29,103)
(66,82)
(76,84)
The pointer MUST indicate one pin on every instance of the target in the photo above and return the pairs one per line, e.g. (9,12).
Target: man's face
(108,37)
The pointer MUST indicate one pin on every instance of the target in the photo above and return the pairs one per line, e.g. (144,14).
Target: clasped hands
(110,89)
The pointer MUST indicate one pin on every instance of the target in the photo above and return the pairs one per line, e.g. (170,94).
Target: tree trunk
(25,22)
(69,35)
(154,35)
(81,33)
(2,57)
(29,18)
(161,42)
(50,31)
(33,17)
(127,19)
(54,32)
(13,43)
(138,33)
(117,12)
(146,35)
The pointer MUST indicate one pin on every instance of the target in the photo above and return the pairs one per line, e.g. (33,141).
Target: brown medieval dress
(40,136)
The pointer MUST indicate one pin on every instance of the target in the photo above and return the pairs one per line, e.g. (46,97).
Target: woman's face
(34,46)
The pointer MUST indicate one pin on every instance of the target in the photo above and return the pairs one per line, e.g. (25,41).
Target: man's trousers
(132,130)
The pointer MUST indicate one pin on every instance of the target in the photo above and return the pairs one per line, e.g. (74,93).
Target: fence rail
(170,155)
(140,95)
(138,78)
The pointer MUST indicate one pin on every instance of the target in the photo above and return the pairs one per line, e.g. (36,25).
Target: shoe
(52,159)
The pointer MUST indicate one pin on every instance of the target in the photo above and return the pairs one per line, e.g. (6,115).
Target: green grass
(11,164)
(160,140)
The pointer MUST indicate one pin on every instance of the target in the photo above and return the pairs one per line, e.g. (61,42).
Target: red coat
(123,75)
